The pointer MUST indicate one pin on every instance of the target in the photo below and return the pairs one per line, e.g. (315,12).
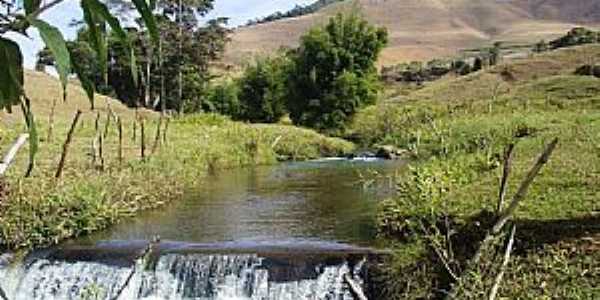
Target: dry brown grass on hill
(44,89)
(425,29)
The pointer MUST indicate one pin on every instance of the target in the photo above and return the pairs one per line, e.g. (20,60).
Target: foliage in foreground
(458,129)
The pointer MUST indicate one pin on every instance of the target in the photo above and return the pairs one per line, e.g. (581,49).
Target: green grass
(41,210)
(457,129)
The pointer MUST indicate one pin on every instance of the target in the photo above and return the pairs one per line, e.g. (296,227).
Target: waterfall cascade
(182,275)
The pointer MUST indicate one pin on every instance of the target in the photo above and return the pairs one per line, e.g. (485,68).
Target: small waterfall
(177,275)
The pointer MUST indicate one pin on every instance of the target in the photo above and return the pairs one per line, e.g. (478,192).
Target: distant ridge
(424,29)
(297,11)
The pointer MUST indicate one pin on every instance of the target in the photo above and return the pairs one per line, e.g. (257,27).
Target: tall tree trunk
(180,50)
(163,104)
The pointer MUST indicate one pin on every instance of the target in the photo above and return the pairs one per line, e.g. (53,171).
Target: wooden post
(505,175)
(165,130)
(51,120)
(97,122)
(63,156)
(522,191)
(3,294)
(95,139)
(507,252)
(355,287)
(157,137)
(120,127)
(107,124)
(12,152)
(133,136)
(142,140)
(100,151)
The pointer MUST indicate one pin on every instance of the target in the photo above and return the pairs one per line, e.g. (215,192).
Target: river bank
(459,130)
(100,187)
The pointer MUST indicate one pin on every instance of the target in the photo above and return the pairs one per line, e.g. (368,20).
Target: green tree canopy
(334,72)
(262,90)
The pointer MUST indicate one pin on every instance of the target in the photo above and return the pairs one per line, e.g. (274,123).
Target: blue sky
(239,11)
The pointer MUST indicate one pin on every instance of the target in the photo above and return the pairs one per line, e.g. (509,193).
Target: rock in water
(389,152)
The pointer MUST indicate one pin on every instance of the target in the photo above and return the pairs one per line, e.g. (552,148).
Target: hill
(425,29)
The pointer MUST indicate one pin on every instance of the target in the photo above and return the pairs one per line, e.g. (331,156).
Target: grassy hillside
(92,195)
(421,30)
(457,129)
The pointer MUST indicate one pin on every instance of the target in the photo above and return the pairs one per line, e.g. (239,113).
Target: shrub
(263,90)
(334,72)
(576,36)
(222,98)
(588,70)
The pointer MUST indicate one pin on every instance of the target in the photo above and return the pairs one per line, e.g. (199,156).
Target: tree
(495,54)
(478,64)
(223,98)
(541,46)
(263,90)
(342,52)
(19,16)
(576,36)
(204,44)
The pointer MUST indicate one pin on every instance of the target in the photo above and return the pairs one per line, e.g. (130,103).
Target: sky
(239,12)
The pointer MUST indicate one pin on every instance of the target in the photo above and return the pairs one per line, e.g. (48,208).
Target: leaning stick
(505,175)
(141,260)
(3,294)
(107,124)
(143,140)
(120,128)
(63,156)
(12,152)
(157,137)
(518,197)
(355,287)
(168,120)
(507,253)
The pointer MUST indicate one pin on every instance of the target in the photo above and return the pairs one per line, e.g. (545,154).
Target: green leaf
(148,17)
(31,6)
(57,45)
(86,82)
(33,135)
(11,74)
(100,10)
(94,22)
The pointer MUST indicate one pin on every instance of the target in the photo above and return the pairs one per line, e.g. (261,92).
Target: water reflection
(316,201)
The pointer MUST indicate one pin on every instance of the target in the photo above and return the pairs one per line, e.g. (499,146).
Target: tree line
(320,84)
(297,11)
(173,75)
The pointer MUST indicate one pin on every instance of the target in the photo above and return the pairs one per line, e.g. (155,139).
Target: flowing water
(291,231)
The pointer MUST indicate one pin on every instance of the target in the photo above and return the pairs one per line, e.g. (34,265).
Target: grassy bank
(457,129)
(41,210)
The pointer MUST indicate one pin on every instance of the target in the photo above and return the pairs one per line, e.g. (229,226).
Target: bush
(223,99)
(576,36)
(541,46)
(334,72)
(263,90)
(588,70)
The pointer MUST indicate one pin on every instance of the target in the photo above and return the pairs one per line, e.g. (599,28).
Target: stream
(299,230)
